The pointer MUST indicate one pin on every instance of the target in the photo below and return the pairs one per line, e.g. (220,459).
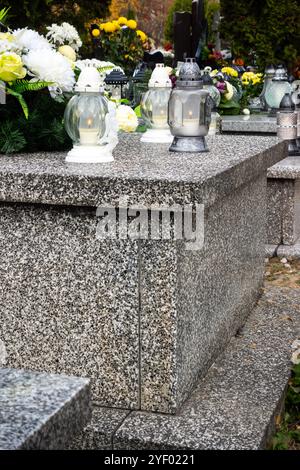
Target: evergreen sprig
(11,138)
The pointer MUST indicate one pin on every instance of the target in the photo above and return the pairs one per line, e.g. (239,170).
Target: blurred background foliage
(268,30)
(261,31)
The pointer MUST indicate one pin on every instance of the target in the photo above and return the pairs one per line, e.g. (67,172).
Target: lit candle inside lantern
(88,135)
(160,119)
(191,124)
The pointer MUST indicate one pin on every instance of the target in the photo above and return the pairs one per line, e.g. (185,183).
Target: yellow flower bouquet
(119,41)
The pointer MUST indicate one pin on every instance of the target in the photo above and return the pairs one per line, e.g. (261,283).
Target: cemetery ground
(285,273)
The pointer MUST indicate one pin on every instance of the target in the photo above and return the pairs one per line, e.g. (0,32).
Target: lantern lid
(206,79)
(189,74)
(270,70)
(116,77)
(286,104)
(89,80)
(139,76)
(280,74)
(160,77)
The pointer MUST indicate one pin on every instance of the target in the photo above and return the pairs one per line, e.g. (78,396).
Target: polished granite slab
(236,406)
(239,403)
(41,411)
(143,318)
(284,202)
(288,168)
(145,173)
(252,123)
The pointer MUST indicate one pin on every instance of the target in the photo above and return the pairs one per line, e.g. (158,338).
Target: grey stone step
(41,411)
(234,406)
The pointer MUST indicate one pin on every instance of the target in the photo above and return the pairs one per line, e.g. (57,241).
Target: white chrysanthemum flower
(296,344)
(127,119)
(7,46)
(296,357)
(50,66)
(30,40)
(8,43)
(64,34)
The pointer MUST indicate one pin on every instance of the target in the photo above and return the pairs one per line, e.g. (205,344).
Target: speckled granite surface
(284,201)
(144,172)
(253,123)
(274,211)
(142,319)
(203,297)
(41,411)
(235,406)
(70,303)
(288,168)
(99,432)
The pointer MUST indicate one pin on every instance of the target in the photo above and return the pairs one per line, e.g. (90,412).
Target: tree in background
(268,29)
(151,15)
(121,7)
(39,13)
(178,5)
(211,8)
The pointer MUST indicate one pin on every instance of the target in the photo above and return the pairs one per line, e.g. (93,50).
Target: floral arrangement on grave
(120,41)
(238,90)
(37,77)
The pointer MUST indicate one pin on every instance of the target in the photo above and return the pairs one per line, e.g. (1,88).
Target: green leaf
(20,86)
(4,13)
(141,128)
(20,99)
(229,104)
(137,111)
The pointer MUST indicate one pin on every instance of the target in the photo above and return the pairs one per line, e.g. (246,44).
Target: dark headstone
(182,35)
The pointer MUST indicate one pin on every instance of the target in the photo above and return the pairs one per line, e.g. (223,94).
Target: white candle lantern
(154,107)
(90,121)
(277,89)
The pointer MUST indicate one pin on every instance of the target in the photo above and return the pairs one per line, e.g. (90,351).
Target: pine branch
(11,139)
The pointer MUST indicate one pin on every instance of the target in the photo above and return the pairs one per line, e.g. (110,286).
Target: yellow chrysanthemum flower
(132,24)
(251,78)
(143,37)
(109,27)
(230,71)
(96,33)
(122,21)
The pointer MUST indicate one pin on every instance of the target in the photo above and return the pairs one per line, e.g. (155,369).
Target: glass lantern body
(115,91)
(85,118)
(189,112)
(275,92)
(154,107)
(269,75)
